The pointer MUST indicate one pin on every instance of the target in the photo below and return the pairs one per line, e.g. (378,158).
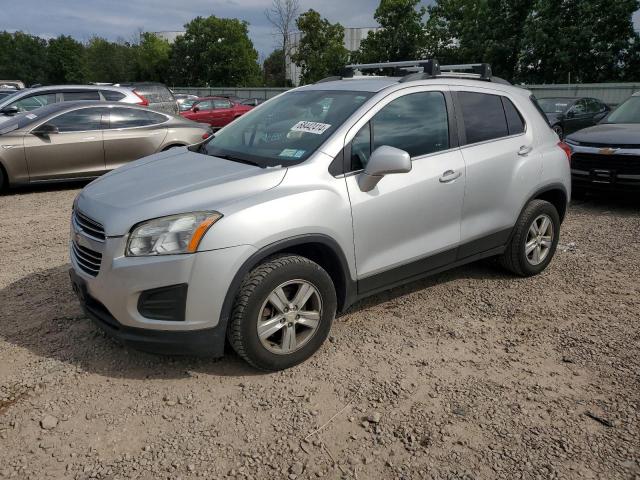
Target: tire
(559,131)
(253,309)
(516,258)
(3,181)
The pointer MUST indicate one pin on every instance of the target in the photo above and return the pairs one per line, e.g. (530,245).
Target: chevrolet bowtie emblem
(607,151)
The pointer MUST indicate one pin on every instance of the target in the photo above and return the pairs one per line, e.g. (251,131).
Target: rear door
(132,133)
(76,151)
(501,156)
(223,113)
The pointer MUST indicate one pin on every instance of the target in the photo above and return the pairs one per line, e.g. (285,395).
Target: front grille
(90,227)
(618,164)
(88,260)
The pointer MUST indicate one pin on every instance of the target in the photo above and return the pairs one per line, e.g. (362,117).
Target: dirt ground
(472,374)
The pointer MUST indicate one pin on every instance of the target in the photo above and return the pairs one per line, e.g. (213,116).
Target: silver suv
(313,200)
(32,98)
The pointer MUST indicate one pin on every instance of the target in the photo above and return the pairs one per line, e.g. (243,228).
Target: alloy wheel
(539,240)
(289,317)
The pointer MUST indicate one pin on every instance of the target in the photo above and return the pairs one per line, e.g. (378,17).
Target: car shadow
(45,187)
(41,314)
(603,202)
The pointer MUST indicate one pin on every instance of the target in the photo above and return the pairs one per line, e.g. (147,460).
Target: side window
(580,107)
(205,105)
(484,117)
(133,117)
(221,104)
(361,148)
(112,96)
(34,101)
(515,123)
(81,95)
(82,120)
(416,123)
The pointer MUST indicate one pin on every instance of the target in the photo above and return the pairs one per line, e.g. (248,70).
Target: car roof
(373,84)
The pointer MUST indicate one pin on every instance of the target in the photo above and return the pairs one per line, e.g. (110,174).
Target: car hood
(176,181)
(614,134)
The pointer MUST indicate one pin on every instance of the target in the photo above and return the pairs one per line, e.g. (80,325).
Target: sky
(115,19)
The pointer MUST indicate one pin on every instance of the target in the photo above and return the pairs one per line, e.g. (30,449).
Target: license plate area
(79,286)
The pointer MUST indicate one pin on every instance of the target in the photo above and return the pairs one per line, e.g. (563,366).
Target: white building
(352,39)
(169,36)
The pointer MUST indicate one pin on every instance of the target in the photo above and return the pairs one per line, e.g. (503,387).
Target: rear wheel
(283,312)
(559,131)
(3,180)
(534,241)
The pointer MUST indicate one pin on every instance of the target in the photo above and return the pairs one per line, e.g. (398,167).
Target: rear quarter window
(112,96)
(515,122)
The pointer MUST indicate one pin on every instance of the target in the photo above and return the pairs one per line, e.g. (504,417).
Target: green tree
(472,31)
(23,57)
(66,60)
(153,54)
(273,73)
(111,61)
(215,51)
(402,36)
(321,51)
(580,40)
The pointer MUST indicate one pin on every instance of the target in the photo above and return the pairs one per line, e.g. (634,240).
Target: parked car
(185,101)
(32,98)
(567,115)
(324,195)
(155,95)
(252,102)
(78,140)
(606,157)
(5,92)
(215,111)
(17,84)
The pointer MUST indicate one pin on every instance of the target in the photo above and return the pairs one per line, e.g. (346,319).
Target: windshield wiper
(239,160)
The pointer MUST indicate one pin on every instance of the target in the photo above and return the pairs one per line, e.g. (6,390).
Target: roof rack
(423,69)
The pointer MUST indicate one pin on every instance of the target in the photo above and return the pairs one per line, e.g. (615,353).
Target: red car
(216,111)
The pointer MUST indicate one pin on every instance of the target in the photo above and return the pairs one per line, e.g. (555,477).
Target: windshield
(628,112)
(20,120)
(554,105)
(288,129)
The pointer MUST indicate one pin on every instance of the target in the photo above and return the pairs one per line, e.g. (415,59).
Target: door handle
(525,150)
(450,176)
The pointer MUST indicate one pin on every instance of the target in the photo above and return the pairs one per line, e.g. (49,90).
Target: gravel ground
(467,375)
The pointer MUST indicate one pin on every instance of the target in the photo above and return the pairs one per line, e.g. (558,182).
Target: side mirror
(571,113)
(195,109)
(45,130)
(10,110)
(383,161)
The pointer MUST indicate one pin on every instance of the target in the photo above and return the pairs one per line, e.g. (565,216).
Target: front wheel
(534,240)
(282,313)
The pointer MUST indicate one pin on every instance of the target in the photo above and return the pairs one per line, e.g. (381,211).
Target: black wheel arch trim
(347,295)
(549,188)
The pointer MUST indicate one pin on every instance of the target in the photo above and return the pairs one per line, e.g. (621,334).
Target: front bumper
(110,297)
(605,169)
(205,342)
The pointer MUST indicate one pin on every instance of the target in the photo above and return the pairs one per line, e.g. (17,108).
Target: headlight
(170,235)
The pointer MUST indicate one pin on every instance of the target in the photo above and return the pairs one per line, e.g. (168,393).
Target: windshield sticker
(292,153)
(311,127)
(31,116)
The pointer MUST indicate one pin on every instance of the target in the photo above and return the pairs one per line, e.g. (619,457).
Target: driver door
(74,151)
(410,222)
